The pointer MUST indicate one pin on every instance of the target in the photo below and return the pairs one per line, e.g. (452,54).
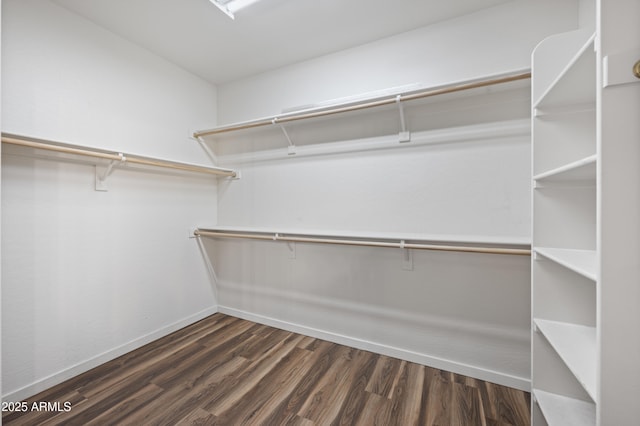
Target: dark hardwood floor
(227,371)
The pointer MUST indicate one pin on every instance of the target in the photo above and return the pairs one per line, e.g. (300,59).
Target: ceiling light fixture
(230,7)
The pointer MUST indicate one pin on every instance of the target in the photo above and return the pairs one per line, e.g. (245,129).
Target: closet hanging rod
(302,115)
(366,243)
(13,140)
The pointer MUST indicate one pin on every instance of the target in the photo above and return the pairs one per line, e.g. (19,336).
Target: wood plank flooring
(227,371)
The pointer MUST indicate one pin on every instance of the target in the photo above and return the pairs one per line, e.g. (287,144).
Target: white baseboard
(59,377)
(419,358)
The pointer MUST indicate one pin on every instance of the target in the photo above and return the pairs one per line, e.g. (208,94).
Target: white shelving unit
(586,232)
(582,262)
(576,345)
(583,169)
(560,410)
(565,261)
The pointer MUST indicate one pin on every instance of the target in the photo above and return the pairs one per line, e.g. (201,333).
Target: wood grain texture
(227,371)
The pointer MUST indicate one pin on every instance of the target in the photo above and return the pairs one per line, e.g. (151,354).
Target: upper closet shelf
(114,159)
(573,86)
(392,103)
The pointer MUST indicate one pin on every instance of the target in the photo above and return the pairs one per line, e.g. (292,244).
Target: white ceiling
(197,36)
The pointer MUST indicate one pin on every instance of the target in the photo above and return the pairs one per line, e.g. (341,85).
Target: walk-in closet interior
(449,184)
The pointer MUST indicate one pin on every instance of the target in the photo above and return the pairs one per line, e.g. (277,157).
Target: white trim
(388,315)
(423,359)
(84,366)
(516,382)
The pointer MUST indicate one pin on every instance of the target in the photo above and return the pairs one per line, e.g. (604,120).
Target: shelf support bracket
(407,257)
(292,249)
(101,178)
(292,147)
(404,135)
(208,151)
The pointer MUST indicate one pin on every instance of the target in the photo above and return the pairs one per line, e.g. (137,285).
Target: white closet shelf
(576,345)
(116,158)
(569,86)
(583,262)
(407,236)
(560,410)
(580,170)
(560,111)
(369,103)
(508,246)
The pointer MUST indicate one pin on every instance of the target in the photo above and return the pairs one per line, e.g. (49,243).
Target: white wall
(465,174)
(491,41)
(89,275)
(471,187)
(68,79)
(74,296)
(467,313)
(460,312)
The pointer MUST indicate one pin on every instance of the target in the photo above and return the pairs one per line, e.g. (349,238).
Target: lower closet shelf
(560,410)
(506,246)
(576,345)
(582,262)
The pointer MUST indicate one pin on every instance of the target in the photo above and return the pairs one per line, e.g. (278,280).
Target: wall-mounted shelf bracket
(292,147)
(101,176)
(404,135)
(291,245)
(236,176)
(192,232)
(207,150)
(407,257)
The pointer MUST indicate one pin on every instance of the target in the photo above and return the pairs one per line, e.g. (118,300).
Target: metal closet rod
(366,243)
(117,157)
(295,116)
